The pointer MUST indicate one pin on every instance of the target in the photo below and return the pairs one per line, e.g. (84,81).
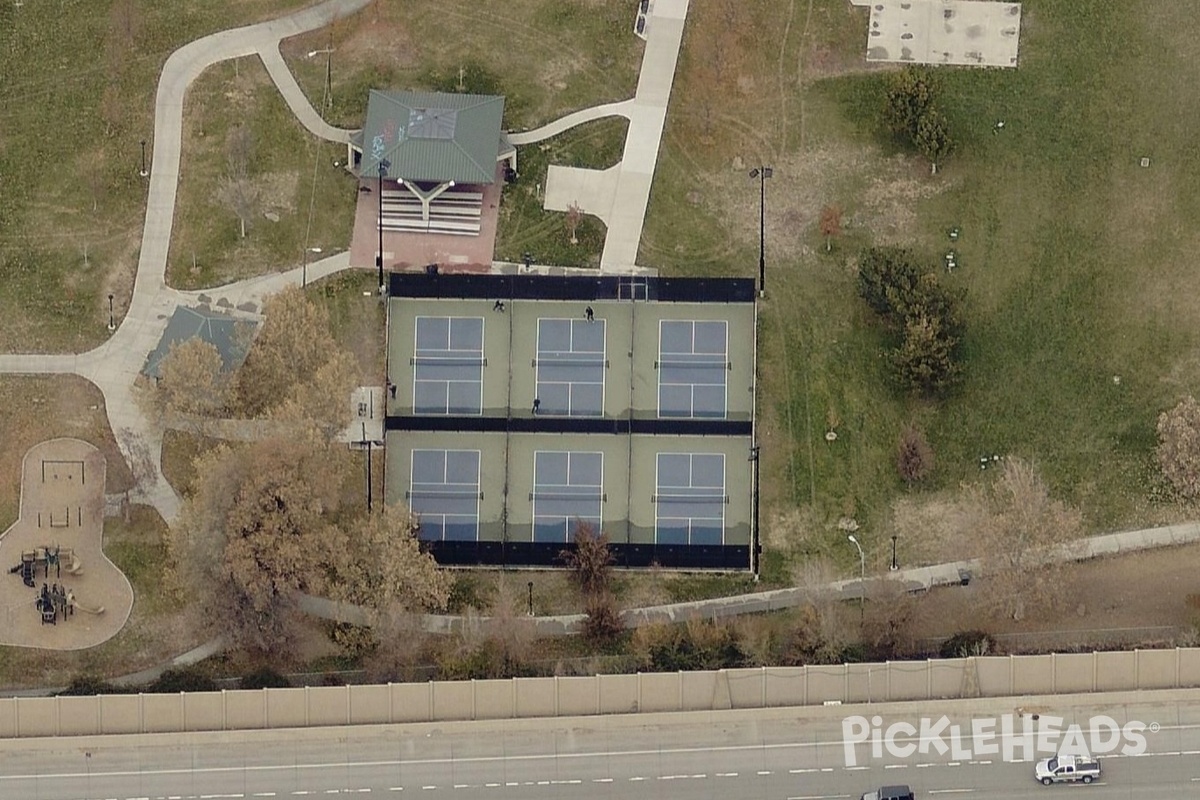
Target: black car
(890,793)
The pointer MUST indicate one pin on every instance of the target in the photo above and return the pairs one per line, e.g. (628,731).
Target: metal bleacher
(451,212)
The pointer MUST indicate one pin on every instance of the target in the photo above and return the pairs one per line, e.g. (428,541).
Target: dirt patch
(1139,590)
(877,193)
(278,191)
(380,43)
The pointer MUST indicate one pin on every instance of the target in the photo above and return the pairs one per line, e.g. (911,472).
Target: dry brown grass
(34,409)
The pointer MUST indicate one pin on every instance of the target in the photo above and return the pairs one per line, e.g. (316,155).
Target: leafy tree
(85,685)
(184,679)
(830,224)
(191,380)
(324,399)
(1178,450)
(909,97)
(383,567)
(933,138)
(255,532)
(887,276)
(965,644)
(914,456)
(264,678)
(290,362)
(925,361)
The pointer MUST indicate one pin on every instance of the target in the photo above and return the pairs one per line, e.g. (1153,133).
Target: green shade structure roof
(230,336)
(432,136)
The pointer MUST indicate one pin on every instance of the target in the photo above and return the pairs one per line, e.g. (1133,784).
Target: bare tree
(241,196)
(1178,451)
(237,189)
(590,560)
(574,217)
(914,456)
(831,224)
(1021,534)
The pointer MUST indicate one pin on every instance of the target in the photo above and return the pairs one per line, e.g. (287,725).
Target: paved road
(780,754)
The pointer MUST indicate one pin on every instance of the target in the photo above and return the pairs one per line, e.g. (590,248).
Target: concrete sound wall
(987,676)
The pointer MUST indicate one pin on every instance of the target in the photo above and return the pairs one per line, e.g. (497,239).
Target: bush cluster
(926,315)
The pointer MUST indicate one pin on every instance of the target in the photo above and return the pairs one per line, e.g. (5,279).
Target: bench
(462,197)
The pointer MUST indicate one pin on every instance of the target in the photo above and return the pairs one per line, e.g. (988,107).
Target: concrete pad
(959,32)
(593,190)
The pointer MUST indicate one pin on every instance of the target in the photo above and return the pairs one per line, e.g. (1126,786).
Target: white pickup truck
(1067,769)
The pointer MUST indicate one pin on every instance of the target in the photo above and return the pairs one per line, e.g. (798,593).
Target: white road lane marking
(727,774)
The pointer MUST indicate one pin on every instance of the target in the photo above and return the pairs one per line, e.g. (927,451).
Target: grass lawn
(525,227)
(310,202)
(71,214)
(546,58)
(1074,259)
(357,318)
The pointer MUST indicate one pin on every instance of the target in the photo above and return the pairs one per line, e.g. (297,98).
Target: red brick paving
(412,251)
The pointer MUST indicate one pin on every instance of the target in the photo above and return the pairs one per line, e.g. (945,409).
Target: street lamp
(754,538)
(328,53)
(304,269)
(894,566)
(144,172)
(383,168)
(762,173)
(112,325)
(862,580)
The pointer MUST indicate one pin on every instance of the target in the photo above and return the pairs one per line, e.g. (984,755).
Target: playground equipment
(55,557)
(75,604)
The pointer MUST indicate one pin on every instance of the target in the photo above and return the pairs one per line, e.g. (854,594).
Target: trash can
(964,577)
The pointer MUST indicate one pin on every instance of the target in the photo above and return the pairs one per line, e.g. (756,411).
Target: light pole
(754,537)
(112,324)
(328,53)
(383,168)
(304,269)
(762,173)
(144,172)
(894,566)
(862,580)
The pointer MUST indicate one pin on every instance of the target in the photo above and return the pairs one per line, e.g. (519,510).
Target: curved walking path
(114,365)
(563,124)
